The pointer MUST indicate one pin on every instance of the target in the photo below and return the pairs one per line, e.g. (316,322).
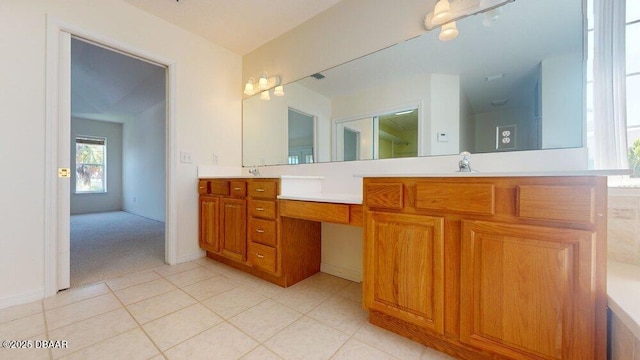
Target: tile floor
(205,310)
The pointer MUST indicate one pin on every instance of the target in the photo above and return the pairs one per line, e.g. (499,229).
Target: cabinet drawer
(262,231)
(263,257)
(559,203)
(203,187)
(262,209)
(466,198)
(219,187)
(316,211)
(389,195)
(263,189)
(238,189)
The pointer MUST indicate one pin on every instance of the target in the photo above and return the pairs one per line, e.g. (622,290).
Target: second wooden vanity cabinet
(240,225)
(489,268)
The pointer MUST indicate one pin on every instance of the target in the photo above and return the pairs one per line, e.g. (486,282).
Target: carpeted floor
(110,244)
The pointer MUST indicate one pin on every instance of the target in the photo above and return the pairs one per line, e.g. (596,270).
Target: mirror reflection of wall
(398,134)
(526,69)
(301,137)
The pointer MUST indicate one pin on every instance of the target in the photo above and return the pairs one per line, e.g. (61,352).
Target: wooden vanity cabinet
(489,268)
(240,225)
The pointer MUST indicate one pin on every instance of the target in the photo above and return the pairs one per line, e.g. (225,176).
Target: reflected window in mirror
(301,130)
(398,134)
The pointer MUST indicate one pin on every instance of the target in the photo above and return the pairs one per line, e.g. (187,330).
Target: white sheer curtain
(609,103)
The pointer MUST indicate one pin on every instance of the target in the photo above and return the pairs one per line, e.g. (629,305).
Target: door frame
(57,128)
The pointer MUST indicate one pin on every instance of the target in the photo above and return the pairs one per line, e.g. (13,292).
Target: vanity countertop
(611,172)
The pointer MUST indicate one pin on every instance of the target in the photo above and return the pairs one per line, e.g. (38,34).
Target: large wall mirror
(516,84)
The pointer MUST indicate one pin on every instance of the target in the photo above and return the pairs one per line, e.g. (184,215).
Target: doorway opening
(118,130)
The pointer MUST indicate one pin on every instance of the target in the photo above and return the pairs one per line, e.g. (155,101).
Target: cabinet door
(209,220)
(233,228)
(528,291)
(404,268)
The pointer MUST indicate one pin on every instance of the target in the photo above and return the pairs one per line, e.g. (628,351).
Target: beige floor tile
(357,350)
(132,345)
(240,277)
(158,357)
(166,270)
(144,291)
(205,289)
(265,288)
(191,276)
(215,266)
(222,342)
(74,295)
(261,353)
(352,291)
(233,302)
(92,331)
(389,342)
(340,313)
(81,310)
(159,306)
(180,326)
(307,339)
(26,354)
(265,319)
(431,354)
(302,297)
(326,282)
(18,311)
(129,280)
(23,328)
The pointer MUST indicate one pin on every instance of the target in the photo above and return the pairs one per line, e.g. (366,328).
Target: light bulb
(263,83)
(449,31)
(278,91)
(441,12)
(265,95)
(248,87)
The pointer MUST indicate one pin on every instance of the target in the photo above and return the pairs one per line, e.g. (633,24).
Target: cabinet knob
(260,256)
(260,231)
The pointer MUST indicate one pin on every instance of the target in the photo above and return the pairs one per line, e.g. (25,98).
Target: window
(632,66)
(91,165)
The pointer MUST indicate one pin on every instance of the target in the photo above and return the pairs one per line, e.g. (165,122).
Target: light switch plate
(186,157)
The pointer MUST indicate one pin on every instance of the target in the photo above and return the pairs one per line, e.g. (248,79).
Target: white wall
(486,128)
(467,125)
(144,170)
(112,199)
(444,114)
(207,113)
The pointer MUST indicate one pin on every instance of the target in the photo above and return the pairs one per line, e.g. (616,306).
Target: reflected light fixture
(265,95)
(278,90)
(263,83)
(449,31)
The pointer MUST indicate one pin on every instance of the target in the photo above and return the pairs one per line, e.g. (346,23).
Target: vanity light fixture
(263,86)
(445,13)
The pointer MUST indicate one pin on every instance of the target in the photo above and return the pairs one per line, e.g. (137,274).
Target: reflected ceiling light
(449,31)
(491,17)
(404,112)
(499,102)
(441,12)
(265,95)
(278,90)
(248,87)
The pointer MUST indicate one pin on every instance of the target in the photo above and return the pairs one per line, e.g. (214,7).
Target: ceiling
(238,25)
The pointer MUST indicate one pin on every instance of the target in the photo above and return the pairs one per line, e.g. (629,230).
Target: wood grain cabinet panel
(316,211)
(466,198)
(233,228)
(527,291)
(264,209)
(560,203)
(384,195)
(209,220)
(262,231)
(404,268)
(265,189)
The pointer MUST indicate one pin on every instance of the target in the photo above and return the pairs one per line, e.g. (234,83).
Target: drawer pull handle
(260,231)
(259,209)
(201,187)
(260,190)
(260,256)
(237,189)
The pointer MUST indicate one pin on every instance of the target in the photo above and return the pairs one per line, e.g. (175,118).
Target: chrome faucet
(464,165)
(254,171)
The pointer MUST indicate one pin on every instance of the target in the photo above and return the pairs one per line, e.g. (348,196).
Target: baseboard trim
(191,256)
(341,272)
(23,298)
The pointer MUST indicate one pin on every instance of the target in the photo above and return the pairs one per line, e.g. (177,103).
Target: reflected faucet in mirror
(464,165)
(254,171)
